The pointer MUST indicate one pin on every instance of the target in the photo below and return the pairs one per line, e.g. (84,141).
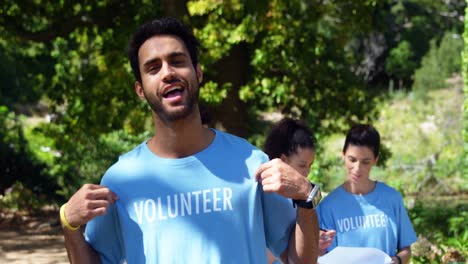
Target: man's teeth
(174,89)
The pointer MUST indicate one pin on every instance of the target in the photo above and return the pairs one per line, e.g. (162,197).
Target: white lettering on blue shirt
(183,204)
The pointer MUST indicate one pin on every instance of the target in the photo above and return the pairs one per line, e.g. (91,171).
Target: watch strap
(312,200)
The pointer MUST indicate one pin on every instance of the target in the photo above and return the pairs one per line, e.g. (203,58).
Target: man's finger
(270,186)
(98,211)
(98,204)
(267,179)
(102,193)
(91,186)
(265,166)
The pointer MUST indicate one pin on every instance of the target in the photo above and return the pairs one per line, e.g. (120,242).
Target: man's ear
(199,73)
(139,90)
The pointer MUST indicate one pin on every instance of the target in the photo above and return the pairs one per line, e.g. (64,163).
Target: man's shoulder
(126,162)
(231,138)
(235,141)
(134,153)
(239,147)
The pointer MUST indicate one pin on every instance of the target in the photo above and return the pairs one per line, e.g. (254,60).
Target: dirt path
(25,240)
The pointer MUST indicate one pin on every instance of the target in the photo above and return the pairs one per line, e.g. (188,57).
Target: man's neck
(180,138)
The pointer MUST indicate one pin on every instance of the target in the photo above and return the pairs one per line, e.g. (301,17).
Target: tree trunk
(174,8)
(232,114)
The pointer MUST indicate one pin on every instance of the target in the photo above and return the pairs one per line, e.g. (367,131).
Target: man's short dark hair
(363,135)
(161,26)
(287,137)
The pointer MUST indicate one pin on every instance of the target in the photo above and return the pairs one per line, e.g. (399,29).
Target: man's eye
(153,68)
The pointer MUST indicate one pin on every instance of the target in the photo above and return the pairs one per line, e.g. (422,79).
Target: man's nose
(168,73)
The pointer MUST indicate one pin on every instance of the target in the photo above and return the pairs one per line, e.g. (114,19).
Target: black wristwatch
(313,199)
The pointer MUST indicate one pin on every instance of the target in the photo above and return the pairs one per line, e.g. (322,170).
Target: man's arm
(88,202)
(78,250)
(303,243)
(277,176)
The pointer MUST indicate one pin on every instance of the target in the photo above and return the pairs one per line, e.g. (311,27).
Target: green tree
(465,108)
(408,27)
(292,57)
(309,59)
(440,63)
(401,61)
(71,55)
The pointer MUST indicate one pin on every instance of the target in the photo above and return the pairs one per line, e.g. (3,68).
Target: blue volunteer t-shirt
(205,208)
(377,219)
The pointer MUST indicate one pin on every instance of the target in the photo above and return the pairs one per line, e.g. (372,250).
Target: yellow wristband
(64,221)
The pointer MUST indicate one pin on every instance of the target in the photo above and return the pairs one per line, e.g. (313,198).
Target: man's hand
(88,202)
(277,176)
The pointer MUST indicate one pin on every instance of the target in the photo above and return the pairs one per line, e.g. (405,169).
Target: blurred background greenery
(67,106)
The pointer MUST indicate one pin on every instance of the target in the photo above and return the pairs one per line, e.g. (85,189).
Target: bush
(19,197)
(440,63)
(465,106)
(18,163)
(401,60)
(85,160)
(445,237)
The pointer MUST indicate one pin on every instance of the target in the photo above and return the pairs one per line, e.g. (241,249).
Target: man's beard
(172,116)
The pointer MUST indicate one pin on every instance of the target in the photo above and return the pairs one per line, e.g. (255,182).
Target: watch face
(317,198)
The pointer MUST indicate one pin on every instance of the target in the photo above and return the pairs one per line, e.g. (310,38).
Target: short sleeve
(101,233)
(406,234)
(280,218)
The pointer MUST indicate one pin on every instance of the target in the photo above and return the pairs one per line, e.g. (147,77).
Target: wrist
(309,188)
(312,199)
(398,259)
(64,221)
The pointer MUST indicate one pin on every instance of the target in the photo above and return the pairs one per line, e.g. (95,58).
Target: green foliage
(20,198)
(323,61)
(443,228)
(424,141)
(299,58)
(465,105)
(18,164)
(295,55)
(70,56)
(440,63)
(212,94)
(86,158)
(408,27)
(427,144)
(401,60)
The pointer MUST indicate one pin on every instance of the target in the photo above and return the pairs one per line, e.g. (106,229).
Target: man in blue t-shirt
(189,193)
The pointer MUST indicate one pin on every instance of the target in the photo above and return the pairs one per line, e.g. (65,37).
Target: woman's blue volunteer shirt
(205,208)
(377,219)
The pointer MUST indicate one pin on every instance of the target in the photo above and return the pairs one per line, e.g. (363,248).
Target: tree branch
(63,24)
